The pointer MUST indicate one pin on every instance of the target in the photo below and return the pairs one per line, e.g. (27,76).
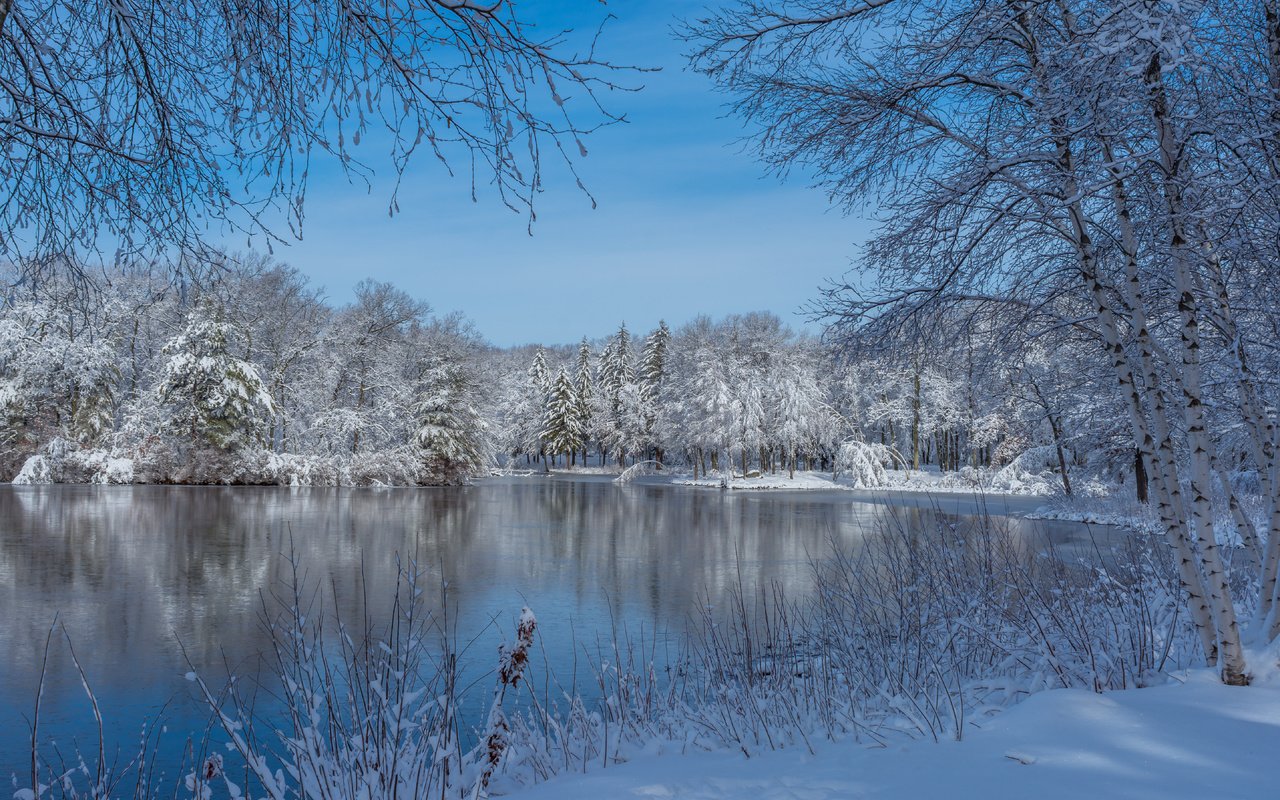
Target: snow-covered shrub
(864,463)
(374,714)
(61,461)
(1029,473)
(35,470)
(1015,479)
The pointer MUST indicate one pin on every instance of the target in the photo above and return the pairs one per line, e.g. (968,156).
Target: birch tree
(1027,152)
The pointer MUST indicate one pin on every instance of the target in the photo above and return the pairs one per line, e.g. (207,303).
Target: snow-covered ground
(931,481)
(1198,739)
(781,480)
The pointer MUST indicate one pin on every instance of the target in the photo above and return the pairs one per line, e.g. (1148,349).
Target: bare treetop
(134,127)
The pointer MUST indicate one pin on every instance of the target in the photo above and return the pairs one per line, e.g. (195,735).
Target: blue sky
(687,222)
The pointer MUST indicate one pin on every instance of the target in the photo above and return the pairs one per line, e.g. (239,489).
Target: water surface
(137,574)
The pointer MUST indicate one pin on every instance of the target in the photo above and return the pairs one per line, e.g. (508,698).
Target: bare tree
(132,127)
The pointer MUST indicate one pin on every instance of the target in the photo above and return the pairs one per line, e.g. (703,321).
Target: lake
(137,573)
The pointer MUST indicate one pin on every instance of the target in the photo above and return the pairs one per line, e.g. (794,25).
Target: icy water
(137,574)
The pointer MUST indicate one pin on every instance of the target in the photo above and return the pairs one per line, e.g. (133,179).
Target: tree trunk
(1155,444)
(1170,502)
(1140,476)
(1234,668)
(915,422)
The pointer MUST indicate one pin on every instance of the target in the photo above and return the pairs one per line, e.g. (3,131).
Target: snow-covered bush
(1027,473)
(864,463)
(61,461)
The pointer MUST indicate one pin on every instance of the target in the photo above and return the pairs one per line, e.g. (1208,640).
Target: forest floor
(1194,738)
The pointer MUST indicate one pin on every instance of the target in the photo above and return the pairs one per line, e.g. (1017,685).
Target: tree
(561,429)
(449,430)
(1042,158)
(584,393)
(129,127)
(530,409)
(58,371)
(214,400)
(652,371)
(616,372)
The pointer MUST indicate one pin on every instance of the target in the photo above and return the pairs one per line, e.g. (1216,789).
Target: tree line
(248,375)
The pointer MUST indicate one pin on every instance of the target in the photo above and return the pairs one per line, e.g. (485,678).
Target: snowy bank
(1195,740)
(807,481)
(966,482)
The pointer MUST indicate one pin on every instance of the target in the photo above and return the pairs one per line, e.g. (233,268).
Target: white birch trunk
(1157,448)
(1234,668)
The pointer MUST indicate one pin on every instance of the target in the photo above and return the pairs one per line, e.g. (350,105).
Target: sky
(687,221)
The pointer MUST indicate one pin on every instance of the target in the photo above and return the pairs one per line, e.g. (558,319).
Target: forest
(249,375)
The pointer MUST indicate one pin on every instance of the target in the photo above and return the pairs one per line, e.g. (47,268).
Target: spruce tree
(560,427)
(585,390)
(653,360)
(616,372)
(449,432)
(653,364)
(534,407)
(538,372)
(214,399)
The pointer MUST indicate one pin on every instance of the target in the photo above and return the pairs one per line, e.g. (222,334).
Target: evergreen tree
(214,399)
(653,364)
(653,360)
(616,372)
(450,432)
(538,373)
(561,429)
(585,391)
(534,406)
(616,368)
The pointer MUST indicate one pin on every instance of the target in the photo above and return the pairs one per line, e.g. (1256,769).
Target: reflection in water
(135,572)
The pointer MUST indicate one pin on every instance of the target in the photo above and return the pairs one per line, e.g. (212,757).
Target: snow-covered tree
(652,375)
(585,393)
(450,431)
(212,398)
(561,427)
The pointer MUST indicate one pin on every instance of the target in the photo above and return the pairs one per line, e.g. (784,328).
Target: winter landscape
(536,398)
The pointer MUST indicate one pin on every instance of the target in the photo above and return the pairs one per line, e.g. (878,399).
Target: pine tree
(653,364)
(533,407)
(617,368)
(653,360)
(538,373)
(560,427)
(585,391)
(214,398)
(449,433)
(616,372)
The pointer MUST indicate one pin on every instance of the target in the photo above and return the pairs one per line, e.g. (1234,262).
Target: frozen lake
(135,572)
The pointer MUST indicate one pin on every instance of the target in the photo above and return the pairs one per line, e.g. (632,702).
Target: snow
(1198,739)
(35,470)
(931,481)
(808,481)
(968,480)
